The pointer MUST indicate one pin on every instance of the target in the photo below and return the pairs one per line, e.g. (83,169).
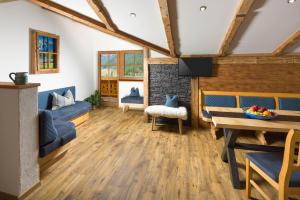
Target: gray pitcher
(21,78)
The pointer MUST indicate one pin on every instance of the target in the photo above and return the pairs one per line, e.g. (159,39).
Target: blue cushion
(289,104)
(171,101)
(47,131)
(45,98)
(69,112)
(46,149)
(206,114)
(220,101)
(134,92)
(66,131)
(271,163)
(268,102)
(130,99)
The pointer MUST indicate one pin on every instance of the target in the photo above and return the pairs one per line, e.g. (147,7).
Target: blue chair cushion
(69,112)
(271,163)
(171,101)
(268,102)
(134,92)
(45,98)
(66,131)
(289,104)
(220,101)
(48,132)
(130,99)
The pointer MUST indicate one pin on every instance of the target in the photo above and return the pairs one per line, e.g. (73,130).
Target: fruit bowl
(259,112)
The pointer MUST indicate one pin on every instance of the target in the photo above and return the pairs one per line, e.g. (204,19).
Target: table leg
(228,155)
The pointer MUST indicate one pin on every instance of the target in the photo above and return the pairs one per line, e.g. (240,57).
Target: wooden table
(229,119)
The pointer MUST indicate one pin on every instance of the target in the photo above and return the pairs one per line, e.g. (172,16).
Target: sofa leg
(213,131)
(153,123)
(180,125)
(261,137)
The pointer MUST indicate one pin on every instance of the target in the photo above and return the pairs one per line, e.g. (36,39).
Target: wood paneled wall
(253,78)
(279,78)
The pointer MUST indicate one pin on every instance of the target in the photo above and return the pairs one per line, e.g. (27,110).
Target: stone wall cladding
(164,79)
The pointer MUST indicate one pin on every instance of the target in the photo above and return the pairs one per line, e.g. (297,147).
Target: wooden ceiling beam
(92,23)
(164,10)
(102,13)
(287,43)
(236,22)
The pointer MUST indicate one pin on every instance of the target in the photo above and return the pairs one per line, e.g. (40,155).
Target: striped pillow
(59,101)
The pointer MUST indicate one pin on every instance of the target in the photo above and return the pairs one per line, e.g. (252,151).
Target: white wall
(78,47)
(124,90)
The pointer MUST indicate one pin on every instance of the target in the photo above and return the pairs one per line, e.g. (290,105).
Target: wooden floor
(117,156)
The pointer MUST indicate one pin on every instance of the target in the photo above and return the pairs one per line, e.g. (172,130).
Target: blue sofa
(55,128)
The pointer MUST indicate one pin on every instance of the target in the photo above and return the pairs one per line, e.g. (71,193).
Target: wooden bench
(259,134)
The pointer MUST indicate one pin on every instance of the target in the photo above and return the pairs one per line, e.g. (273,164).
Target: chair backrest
(291,158)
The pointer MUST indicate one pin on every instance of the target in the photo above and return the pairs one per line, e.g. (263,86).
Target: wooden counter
(10,85)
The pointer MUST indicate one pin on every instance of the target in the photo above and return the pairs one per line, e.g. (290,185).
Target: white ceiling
(203,32)
(80,6)
(269,23)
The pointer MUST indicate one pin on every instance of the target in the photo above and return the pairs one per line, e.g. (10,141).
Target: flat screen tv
(202,67)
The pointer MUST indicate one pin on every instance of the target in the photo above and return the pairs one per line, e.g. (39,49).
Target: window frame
(35,53)
(120,65)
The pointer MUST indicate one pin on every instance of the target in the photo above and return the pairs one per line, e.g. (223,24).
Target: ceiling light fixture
(132,15)
(202,8)
(291,1)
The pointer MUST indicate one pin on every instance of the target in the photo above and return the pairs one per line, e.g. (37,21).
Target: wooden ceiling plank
(102,13)
(92,23)
(164,10)
(287,43)
(240,15)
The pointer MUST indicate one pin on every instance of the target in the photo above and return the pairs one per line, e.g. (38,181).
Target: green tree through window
(133,66)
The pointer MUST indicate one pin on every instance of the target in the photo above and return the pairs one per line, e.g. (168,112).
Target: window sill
(131,79)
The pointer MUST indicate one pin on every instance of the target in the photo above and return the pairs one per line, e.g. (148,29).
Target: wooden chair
(281,170)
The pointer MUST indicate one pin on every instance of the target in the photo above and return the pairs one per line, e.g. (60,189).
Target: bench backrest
(45,97)
(289,103)
(283,101)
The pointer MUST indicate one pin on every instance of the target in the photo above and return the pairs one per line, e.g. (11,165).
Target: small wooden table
(232,120)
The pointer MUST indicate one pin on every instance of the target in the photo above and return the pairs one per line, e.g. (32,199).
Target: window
(133,65)
(45,52)
(109,65)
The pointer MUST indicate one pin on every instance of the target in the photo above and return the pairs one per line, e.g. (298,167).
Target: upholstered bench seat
(54,134)
(70,112)
(206,115)
(135,100)
(270,163)
(168,112)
